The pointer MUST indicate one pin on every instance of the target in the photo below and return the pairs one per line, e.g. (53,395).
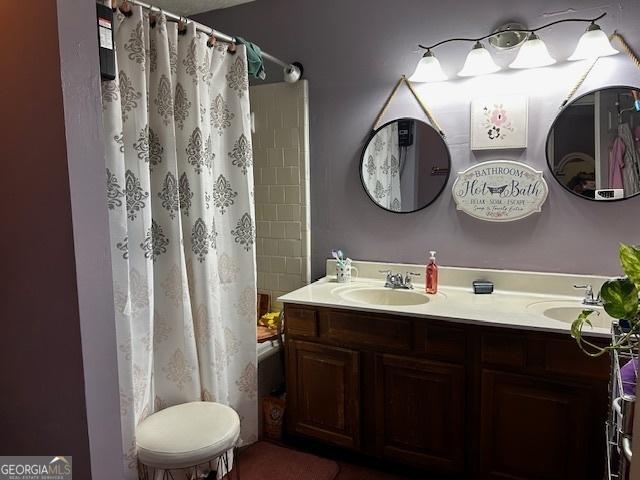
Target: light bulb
(428,69)
(532,54)
(593,44)
(478,62)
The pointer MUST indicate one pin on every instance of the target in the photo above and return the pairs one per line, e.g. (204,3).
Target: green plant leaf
(578,323)
(620,298)
(630,261)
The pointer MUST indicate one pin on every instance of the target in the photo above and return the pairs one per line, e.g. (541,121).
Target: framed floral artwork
(499,122)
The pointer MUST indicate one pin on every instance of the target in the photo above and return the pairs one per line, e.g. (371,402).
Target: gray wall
(80,76)
(58,356)
(42,403)
(354,51)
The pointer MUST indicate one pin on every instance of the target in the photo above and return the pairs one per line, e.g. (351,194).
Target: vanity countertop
(530,300)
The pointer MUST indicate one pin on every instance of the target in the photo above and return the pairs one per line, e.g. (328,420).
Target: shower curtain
(382,168)
(180,202)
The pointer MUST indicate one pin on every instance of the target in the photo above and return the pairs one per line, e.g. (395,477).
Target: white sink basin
(381,296)
(567,312)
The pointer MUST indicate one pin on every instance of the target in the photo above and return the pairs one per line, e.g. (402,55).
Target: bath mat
(266,461)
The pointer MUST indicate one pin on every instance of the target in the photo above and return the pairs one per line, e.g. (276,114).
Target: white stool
(186,436)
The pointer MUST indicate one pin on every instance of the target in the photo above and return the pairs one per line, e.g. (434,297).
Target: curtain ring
(231,48)
(182,25)
(211,41)
(125,8)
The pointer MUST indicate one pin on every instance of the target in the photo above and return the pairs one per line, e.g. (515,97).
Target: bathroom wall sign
(500,191)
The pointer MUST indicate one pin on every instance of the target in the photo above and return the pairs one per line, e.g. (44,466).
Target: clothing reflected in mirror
(405,165)
(593,147)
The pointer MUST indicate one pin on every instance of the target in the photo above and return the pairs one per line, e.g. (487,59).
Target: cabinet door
(420,412)
(535,429)
(324,392)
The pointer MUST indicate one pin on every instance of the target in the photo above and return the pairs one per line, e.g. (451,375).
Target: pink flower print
(498,116)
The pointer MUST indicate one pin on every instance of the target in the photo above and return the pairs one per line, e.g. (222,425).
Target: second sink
(382,296)
(567,312)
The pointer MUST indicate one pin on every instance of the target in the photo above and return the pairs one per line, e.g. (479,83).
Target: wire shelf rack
(622,390)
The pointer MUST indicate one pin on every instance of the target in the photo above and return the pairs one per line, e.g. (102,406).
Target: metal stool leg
(236,462)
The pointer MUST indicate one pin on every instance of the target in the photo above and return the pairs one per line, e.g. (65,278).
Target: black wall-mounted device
(405,133)
(105,42)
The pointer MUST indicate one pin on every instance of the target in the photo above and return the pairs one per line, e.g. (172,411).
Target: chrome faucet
(589,299)
(396,280)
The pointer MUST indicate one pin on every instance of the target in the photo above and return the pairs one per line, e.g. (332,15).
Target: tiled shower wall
(281,175)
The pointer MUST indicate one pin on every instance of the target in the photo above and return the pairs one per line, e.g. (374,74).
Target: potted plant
(620,300)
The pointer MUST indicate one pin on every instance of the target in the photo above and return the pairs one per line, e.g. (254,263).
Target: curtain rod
(292,71)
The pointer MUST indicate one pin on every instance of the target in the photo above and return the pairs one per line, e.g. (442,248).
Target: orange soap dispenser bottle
(432,274)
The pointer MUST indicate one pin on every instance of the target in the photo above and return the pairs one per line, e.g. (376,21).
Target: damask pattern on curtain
(180,199)
(381,172)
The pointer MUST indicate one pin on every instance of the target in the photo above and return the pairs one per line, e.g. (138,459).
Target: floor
(267,461)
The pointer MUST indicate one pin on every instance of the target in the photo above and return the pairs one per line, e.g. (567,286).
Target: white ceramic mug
(343,272)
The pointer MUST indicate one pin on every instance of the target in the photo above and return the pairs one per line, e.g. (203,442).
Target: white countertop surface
(519,299)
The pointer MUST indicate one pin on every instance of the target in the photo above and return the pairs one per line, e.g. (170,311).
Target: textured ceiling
(191,7)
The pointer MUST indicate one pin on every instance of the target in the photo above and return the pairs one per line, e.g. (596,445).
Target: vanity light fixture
(533,52)
(428,69)
(593,43)
(478,62)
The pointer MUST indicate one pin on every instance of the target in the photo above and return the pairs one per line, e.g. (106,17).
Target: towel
(255,64)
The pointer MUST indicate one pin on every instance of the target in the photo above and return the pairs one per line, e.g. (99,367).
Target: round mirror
(593,147)
(405,165)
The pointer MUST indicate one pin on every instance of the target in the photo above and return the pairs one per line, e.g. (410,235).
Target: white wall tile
(288,282)
(289,248)
(278,264)
(293,230)
(261,193)
(277,230)
(276,194)
(281,166)
(274,118)
(269,211)
(287,176)
(291,156)
(270,281)
(289,213)
(275,157)
(263,229)
(259,156)
(270,246)
(262,263)
(292,194)
(294,265)
(268,176)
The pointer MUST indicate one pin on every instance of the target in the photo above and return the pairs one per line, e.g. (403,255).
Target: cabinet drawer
(564,357)
(368,330)
(503,349)
(442,341)
(301,321)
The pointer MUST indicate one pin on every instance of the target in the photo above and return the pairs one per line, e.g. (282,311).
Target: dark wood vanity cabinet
(542,407)
(325,403)
(466,401)
(533,428)
(419,412)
